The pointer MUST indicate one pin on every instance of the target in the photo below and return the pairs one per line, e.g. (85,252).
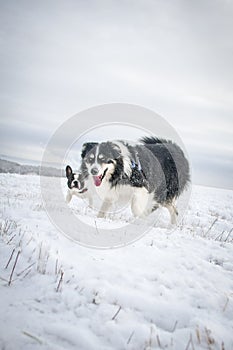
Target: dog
(147,175)
(76,186)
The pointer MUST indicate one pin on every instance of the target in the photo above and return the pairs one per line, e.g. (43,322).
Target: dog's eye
(90,158)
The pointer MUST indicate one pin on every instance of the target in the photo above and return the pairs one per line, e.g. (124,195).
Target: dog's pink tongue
(97,180)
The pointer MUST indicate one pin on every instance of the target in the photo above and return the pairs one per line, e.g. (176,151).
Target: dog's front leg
(139,202)
(68,196)
(90,201)
(104,208)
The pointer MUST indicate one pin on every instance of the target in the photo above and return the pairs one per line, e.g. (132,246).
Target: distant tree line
(7,166)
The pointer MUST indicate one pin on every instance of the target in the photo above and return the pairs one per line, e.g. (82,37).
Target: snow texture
(169,290)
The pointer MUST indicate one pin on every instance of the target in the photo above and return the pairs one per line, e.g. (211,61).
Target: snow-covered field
(168,290)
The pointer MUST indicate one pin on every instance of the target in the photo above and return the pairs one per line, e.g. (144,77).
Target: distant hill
(7,166)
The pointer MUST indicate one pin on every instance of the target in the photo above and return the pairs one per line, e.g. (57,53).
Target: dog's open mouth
(99,178)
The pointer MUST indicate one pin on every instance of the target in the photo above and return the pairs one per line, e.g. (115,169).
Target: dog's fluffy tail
(152,140)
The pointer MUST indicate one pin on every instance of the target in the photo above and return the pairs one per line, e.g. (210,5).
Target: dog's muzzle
(76,184)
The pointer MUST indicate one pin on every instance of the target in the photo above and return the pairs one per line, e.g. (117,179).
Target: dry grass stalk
(113,318)
(13,269)
(209,338)
(198,335)
(227,237)
(60,281)
(130,337)
(11,256)
(27,268)
(211,226)
(97,230)
(174,327)
(56,267)
(226,303)
(190,342)
(158,341)
(33,337)
(11,239)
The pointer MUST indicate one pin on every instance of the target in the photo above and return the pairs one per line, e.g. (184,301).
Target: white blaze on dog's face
(101,161)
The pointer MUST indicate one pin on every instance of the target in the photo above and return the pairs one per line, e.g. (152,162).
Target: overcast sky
(174,57)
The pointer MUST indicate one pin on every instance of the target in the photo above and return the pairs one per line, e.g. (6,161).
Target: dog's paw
(101,215)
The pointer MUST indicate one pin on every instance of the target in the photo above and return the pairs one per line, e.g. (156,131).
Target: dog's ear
(87,147)
(68,171)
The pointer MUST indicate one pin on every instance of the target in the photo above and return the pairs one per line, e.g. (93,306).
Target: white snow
(168,290)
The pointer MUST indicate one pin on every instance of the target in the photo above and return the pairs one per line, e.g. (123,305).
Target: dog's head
(101,160)
(75,180)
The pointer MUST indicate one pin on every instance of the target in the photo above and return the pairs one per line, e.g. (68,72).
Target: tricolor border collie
(148,175)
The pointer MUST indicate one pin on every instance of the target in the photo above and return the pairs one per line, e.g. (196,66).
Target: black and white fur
(76,186)
(148,175)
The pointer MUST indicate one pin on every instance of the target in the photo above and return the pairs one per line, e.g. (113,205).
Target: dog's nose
(76,184)
(94,171)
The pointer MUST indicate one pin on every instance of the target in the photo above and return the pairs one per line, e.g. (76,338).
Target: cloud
(60,57)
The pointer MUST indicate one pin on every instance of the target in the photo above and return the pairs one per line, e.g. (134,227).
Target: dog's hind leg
(173,212)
